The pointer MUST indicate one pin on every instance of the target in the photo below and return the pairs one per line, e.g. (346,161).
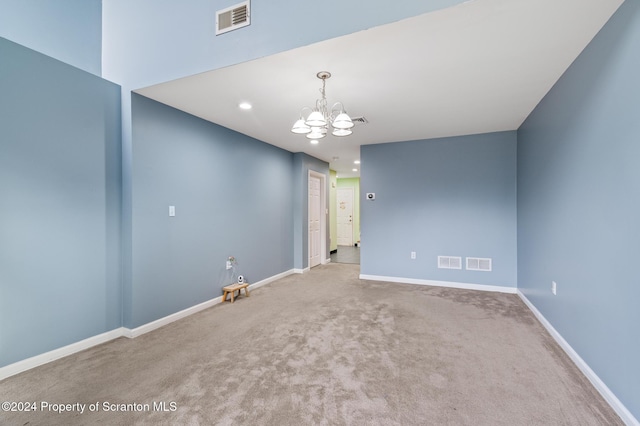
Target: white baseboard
(301,271)
(451,284)
(153,325)
(272,279)
(35,361)
(604,390)
(196,308)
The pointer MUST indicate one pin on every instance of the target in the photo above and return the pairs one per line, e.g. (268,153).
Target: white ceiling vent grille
(449,262)
(359,120)
(478,264)
(233,17)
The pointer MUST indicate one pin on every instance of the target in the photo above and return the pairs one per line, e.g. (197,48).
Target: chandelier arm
(333,108)
(336,112)
(302,110)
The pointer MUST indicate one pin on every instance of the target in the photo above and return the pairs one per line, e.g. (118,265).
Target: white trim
(327,260)
(301,271)
(352,194)
(604,390)
(38,360)
(451,284)
(194,309)
(272,279)
(323,215)
(153,325)
(35,361)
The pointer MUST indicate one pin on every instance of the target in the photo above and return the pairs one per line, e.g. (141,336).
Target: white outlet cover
(172,211)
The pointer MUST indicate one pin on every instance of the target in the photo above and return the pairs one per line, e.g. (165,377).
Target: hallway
(346,254)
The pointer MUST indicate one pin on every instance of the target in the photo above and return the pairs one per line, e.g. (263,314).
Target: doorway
(316,218)
(346,254)
(344,216)
(345,220)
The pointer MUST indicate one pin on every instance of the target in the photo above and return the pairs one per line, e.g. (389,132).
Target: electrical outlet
(554,287)
(413,255)
(229,264)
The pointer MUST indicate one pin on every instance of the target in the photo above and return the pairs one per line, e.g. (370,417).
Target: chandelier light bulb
(317,133)
(299,127)
(342,121)
(341,132)
(316,119)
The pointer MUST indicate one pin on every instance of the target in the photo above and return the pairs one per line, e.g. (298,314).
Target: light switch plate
(172,211)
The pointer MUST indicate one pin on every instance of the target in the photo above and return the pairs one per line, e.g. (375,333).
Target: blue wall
(450,196)
(68,30)
(186,32)
(578,205)
(60,186)
(232,194)
(59,204)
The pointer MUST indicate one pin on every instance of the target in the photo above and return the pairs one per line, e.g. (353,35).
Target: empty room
(358,213)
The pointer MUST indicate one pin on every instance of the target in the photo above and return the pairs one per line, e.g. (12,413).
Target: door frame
(353,208)
(323,217)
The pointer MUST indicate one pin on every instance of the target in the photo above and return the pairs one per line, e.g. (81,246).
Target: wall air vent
(449,262)
(233,17)
(478,264)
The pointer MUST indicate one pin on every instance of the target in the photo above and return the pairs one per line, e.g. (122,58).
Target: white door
(344,199)
(314,221)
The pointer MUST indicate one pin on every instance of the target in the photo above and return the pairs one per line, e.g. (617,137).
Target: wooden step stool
(233,288)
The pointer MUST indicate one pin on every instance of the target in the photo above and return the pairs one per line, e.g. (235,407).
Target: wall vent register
(234,17)
(449,262)
(478,264)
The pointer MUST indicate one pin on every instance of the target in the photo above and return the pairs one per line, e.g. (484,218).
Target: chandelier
(316,125)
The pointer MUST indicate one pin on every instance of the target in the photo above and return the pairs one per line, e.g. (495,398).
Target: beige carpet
(325,348)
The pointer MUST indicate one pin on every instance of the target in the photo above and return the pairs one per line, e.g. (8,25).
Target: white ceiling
(481,66)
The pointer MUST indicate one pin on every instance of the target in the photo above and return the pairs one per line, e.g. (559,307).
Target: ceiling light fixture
(316,125)
(245,105)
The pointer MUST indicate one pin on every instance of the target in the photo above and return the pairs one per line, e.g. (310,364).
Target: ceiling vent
(233,17)
(359,120)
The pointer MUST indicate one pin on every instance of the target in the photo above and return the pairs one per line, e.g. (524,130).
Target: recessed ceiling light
(245,105)
(355,170)
(356,162)
(314,142)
